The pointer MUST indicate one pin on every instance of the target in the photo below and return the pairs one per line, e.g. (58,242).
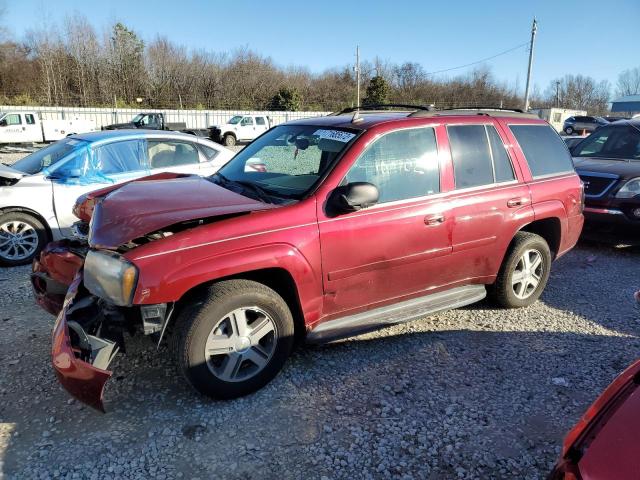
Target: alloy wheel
(18,240)
(241,344)
(527,274)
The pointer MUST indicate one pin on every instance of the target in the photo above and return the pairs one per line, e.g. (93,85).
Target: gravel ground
(470,393)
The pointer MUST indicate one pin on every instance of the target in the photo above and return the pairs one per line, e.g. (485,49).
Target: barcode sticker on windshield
(335,135)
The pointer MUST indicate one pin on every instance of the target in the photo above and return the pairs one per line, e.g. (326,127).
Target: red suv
(353,222)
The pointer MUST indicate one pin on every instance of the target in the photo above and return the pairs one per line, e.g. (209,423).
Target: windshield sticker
(335,135)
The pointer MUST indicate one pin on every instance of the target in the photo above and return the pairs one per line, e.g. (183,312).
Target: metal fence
(193,118)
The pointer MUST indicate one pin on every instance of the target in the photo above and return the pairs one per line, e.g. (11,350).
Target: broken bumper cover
(80,360)
(52,273)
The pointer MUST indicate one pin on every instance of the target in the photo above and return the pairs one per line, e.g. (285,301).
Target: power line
(479,61)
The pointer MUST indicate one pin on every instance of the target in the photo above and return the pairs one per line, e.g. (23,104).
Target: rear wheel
(524,272)
(22,236)
(235,340)
(229,140)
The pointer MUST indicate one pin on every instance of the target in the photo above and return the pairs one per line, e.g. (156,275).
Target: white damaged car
(37,193)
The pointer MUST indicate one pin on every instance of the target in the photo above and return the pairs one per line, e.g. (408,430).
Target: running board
(401,312)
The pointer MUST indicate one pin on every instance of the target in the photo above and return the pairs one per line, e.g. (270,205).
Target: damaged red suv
(353,222)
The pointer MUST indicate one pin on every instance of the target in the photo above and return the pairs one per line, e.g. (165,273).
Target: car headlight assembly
(109,276)
(630,189)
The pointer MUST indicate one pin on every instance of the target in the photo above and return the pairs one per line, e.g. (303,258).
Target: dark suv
(353,222)
(583,124)
(608,162)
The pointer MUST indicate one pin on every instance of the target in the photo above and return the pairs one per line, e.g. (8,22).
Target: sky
(594,38)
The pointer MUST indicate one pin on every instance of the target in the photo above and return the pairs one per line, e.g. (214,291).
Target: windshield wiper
(260,192)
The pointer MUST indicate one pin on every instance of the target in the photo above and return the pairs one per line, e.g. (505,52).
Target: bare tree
(629,82)
(580,92)
(84,50)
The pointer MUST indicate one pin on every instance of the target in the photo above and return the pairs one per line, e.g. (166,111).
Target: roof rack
(382,107)
(489,111)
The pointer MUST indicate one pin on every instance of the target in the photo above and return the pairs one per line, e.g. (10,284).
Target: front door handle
(432,220)
(517,202)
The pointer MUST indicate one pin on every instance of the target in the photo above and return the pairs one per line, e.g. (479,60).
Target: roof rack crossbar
(484,107)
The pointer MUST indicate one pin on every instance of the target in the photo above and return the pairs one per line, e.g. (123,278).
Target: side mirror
(3,123)
(75,173)
(352,197)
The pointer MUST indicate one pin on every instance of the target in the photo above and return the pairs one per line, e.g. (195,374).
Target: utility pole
(557,93)
(534,27)
(357,70)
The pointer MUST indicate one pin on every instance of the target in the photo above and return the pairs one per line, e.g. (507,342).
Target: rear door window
(503,170)
(479,156)
(402,164)
(260,121)
(165,153)
(29,119)
(543,148)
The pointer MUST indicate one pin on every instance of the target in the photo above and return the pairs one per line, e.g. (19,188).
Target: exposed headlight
(109,276)
(629,189)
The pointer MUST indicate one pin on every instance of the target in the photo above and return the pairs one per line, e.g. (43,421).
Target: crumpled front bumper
(80,360)
(52,273)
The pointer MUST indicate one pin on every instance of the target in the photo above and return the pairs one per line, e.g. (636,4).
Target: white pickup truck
(240,128)
(27,127)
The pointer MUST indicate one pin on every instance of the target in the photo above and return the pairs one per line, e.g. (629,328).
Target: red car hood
(141,207)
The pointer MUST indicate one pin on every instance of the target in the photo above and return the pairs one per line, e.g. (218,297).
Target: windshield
(235,119)
(620,141)
(48,156)
(287,161)
(137,118)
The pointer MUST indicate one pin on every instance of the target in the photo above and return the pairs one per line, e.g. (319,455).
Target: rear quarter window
(543,148)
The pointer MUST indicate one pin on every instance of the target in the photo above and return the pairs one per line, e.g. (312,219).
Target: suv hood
(142,207)
(625,169)
(9,173)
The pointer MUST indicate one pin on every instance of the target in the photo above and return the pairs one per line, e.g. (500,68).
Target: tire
(568,130)
(212,324)
(28,234)
(507,292)
(229,140)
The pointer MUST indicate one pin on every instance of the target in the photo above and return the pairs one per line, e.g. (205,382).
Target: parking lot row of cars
(274,247)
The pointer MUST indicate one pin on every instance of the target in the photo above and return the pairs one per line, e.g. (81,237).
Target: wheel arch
(34,214)
(277,278)
(550,229)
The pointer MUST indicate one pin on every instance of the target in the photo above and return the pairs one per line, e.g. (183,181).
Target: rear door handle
(517,202)
(432,220)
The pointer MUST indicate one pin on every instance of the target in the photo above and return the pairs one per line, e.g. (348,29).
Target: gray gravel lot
(471,393)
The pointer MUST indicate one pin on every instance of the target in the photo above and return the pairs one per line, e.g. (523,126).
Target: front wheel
(524,272)
(235,340)
(229,140)
(22,236)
